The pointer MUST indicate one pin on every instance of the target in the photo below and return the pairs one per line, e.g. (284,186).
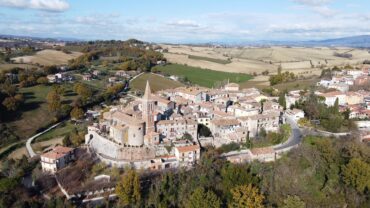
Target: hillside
(48,57)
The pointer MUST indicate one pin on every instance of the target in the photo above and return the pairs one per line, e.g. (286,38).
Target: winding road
(295,137)
(29,140)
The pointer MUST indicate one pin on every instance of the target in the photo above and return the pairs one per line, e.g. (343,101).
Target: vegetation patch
(199,76)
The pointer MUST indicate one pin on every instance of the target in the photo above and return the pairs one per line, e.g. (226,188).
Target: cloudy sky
(188,21)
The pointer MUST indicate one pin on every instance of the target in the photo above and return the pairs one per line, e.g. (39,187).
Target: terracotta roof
(225,122)
(122,117)
(188,148)
(160,99)
(57,152)
(333,94)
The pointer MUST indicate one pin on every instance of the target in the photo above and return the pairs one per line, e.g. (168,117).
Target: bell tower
(148,109)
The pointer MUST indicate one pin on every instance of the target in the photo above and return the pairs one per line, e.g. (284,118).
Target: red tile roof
(188,148)
(57,152)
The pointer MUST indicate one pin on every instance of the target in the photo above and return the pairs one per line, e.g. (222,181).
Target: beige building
(175,129)
(56,159)
(187,154)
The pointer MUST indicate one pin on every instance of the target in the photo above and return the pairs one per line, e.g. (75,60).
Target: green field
(156,82)
(297,85)
(219,61)
(11,66)
(202,77)
(62,130)
(34,112)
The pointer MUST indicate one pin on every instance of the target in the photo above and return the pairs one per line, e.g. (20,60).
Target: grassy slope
(61,130)
(156,82)
(202,77)
(6,66)
(297,85)
(35,114)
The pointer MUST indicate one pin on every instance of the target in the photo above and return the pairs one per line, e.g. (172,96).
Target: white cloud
(318,6)
(324,11)
(184,23)
(313,2)
(46,5)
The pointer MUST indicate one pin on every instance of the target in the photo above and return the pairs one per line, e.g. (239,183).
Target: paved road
(294,139)
(29,140)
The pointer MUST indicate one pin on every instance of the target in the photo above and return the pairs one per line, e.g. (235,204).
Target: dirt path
(18,153)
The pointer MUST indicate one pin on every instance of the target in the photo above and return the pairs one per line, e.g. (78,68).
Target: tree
(82,90)
(357,174)
(262,133)
(282,100)
(54,101)
(8,88)
(128,189)
(248,143)
(246,196)
(293,202)
(164,192)
(67,141)
(77,138)
(42,80)
(187,136)
(234,175)
(201,198)
(336,106)
(10,103)
(204,131)
(77,113)
(7,185)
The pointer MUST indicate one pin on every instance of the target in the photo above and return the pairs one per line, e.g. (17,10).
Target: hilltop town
(120,113)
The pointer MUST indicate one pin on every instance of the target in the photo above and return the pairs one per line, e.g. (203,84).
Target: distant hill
(362,41)
(354,41)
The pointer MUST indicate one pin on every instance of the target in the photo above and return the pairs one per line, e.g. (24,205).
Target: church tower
(148,109)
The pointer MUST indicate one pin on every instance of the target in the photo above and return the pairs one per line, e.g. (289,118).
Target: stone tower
(148,109)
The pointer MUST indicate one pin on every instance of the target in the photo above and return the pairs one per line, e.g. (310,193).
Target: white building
(295,114)
(331,97)
(232,87)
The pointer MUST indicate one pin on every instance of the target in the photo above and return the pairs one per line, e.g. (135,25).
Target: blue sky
(190,21)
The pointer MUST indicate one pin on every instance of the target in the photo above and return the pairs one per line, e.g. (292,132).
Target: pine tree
(282,100)
(246,196)
(201,198)
(128,189)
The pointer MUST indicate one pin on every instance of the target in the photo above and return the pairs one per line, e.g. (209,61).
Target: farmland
(219,61)
(201,77)
(157,82)
(48,57)
(301,60)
